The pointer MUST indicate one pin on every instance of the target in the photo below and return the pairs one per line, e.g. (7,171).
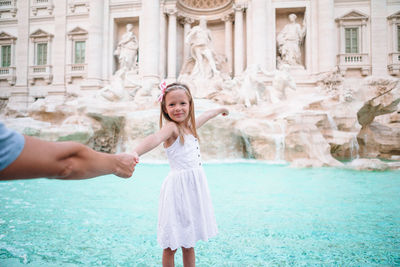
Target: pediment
(6,36)
(353,15)
(40,33)
(77,31)
(395,16)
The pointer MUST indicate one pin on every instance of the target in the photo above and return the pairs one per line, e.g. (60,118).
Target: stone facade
(300,77)
(68,45)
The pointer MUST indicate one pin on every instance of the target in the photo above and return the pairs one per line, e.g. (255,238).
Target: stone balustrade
(9,74)
(7,3)
(40,72)
(394,63)
(8,6)
(42,5)
(76,71)
(354,61)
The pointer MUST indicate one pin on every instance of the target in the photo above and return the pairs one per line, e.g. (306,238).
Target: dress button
(198,155)
(199,164)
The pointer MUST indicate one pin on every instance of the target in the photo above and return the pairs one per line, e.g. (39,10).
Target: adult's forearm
(87,163)
(59,160)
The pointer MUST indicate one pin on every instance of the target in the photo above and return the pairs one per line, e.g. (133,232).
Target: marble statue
(289,42)
(126,76)
(127,50)
(281,81)
(199,40)
(250,84)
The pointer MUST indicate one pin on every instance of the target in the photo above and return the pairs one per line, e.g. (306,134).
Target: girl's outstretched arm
(152,141)
(209,114)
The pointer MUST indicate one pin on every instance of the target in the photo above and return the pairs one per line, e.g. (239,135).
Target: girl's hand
(224,111)
(135,157)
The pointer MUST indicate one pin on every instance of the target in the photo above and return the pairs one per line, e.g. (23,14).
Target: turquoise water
(268,215)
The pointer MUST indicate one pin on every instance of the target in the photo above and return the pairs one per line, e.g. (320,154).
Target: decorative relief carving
(227,17)
(170,11)
(239,7)
(186,20)
(204,4)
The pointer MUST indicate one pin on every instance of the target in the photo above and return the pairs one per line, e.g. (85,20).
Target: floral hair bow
(163,87)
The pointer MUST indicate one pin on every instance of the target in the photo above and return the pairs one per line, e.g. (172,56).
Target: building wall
(105,21)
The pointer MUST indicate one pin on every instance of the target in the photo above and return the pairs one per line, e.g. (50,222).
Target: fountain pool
(268,215)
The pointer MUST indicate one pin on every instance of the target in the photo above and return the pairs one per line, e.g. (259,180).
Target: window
(351,39)
(79,57)
(398,38)
(41,54)
(5,55)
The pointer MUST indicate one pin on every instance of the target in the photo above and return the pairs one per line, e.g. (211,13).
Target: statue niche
(204,67)
(127,50)
(290,41)
(125,81)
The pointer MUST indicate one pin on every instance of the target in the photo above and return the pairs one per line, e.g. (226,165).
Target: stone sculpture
(127,50)
(126,76)
(289,42)
(378,139)
(281,81)
(199,40)
(250,86)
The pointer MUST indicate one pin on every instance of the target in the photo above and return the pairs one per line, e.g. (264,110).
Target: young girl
(185,211)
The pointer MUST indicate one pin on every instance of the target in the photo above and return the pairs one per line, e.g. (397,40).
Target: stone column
(94,50)
(171,43)
(259,34)
(326,33)
(19,94)
(393,35)
(58,45)
(149,34)
(249,59)
(108,51)
(364,43)
(239,60)
(342,38)
(186,28)
(228,40)
(22,59)
(270,36)
(163,45)
(378,51)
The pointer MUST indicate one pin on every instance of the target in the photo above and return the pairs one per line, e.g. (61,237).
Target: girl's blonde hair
(190,121)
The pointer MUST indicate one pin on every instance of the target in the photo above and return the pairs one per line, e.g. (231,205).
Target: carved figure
(282,80)
(289,42)
(248,92)
(127,50)
(199,40)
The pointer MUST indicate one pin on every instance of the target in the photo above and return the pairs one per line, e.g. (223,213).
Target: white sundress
(185,211)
